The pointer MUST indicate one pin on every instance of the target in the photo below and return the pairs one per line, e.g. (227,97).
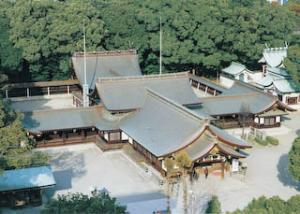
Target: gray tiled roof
(161,126)
(225,136)
(106,64)
(60,119)
(227,105)
(127,93)
(207,82)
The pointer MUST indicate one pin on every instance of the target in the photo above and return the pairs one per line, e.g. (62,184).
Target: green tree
(15,148)
(292,62)
(294,159)
(100,203)
(273,205)
(49,32)
(214,206)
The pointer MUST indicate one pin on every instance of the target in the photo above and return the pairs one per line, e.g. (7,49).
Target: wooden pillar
(6,94)
(206,89)
(198,86)
(215,92)
(108,135)
(223,168)
(48,89)
(68,89)
(120,136)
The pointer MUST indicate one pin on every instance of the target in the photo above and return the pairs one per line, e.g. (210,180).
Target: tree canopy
(15,147)
(100,203)
(200,35)
(294,159)
(273,205)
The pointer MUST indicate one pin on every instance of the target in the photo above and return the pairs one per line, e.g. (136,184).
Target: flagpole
(160,47)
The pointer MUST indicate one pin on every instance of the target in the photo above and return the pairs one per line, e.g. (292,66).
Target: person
(206,172)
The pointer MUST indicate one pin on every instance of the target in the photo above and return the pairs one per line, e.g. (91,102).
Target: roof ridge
(142,77)
(66,109)
(107,53)
(229,96)
(175,105)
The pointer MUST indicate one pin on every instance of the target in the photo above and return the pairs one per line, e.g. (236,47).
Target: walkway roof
(62,119)
(27,178)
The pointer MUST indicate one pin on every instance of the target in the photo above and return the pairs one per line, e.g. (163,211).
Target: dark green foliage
(49,32)
(100,203)
(201,35)
(292,62)
(214,206)
(294,159)
(274,205)
(14,149)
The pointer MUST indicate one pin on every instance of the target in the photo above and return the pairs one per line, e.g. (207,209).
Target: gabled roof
(281,72)
(105,64)
(266,81)
(274,56)
(162,126)
(27,178)
(128,93)
(286,86)
(61,119)
(234,104)
(234,68)
(239,96)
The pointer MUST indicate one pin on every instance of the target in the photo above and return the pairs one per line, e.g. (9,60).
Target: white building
(237,71)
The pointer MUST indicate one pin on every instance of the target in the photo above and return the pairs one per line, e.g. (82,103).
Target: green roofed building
(24,186)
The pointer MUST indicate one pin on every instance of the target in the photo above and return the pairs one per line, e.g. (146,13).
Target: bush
(268,141)
(214,206)
(272,140)
(294,160)
(261,141)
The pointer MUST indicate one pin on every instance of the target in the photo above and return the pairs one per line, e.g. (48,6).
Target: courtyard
(267,175)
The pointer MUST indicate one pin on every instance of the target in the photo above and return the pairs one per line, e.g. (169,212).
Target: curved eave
(228,142)
(230,151)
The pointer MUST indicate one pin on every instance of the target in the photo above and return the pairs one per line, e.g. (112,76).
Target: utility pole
(85,86)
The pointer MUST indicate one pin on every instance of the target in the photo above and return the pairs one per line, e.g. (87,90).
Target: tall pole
(84,55)
(160,47)
(85,86)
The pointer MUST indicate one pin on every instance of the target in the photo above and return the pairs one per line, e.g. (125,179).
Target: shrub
(272,140)
(294,159)
(214,206)
(261,141)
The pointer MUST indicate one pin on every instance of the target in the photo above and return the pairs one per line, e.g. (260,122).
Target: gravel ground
(266,175)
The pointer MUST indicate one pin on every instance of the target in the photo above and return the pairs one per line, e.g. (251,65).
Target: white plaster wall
(225,81)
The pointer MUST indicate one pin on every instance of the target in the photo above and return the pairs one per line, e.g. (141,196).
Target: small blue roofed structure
(27,178)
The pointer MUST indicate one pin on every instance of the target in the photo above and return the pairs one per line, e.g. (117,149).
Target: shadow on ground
(284,175)
(67,166)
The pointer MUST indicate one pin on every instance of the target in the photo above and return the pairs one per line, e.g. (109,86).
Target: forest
(37,38)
